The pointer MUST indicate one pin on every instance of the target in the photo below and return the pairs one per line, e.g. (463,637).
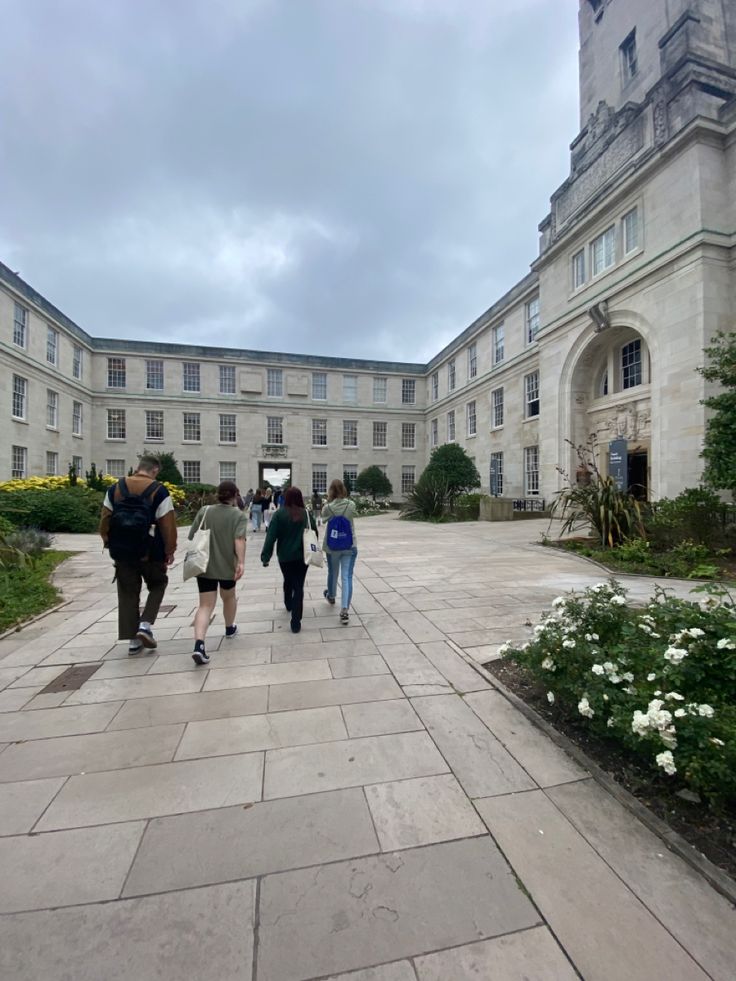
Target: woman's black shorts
(210,585)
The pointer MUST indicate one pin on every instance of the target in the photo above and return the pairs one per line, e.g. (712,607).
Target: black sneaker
(231,631)
(145,636)
(295,627)
(330,599)
(200,656)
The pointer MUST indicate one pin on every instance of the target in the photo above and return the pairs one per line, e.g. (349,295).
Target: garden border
(39,616)
(672,840)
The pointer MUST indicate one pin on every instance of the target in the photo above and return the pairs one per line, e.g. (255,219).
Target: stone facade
(636,271)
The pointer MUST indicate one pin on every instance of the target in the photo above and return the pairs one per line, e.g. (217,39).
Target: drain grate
(71,679)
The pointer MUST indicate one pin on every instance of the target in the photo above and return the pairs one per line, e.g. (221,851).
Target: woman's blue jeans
(344,563)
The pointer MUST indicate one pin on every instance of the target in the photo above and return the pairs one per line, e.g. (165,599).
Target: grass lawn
(25,592)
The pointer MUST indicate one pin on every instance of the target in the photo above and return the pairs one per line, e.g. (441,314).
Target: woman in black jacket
(285,532)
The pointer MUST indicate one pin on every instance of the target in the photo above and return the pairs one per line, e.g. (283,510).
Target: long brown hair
(294,504)
(337,489)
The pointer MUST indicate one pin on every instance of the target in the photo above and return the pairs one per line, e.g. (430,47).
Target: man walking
(138,526)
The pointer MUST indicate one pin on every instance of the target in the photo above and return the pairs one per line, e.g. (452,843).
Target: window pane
(532,319)
(435,386)
(379,390)
(603,251)
(319,479)
(631,364)
(192,471)
(319,432)
(52,463)
(77,418)
(349,475)
(531,470)
(19,467)
(155,424)
(408,391)
(190,376)
(631,230)
(434,433)
(77,358)
(227,428)
(275,430)
(349,432)
(451,426)
(275,382)
(52,345)
(472,361)
(408,475)
(497,407)
(20,391)
(155,375)
(380,435)
(578,269)
(78,465)
(408,435)
(52,409)
(115,468)
(350,388)
(319,385)
(471,419)
(451,375)
(531,384)
(228,469)
(116,372)
(496,474)
(192,428)
(498,344)
(20,325)
(227,379)
(116,424)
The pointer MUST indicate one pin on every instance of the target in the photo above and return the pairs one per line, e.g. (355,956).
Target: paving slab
(13,699)
(421,811)
(545,762)
(587,906)
(398,971)
(22,803)
(314,651)
(239,843)
(224,658)
(477,758)
(10,674)
(458,672)
(191,708)
(530,955)
(47,723)
(409,666)
(267,674)
(383,629)
(701,919)
(130,668)
(380,718)
(151,791)
(115,689)
(358,667)
(93,752)
(350,763)
(247,734)
(338,691)
(203,934)
(37,677)
(347,915)
(66,867)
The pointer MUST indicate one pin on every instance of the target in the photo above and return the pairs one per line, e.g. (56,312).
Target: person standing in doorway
(285,533)
(227,525)
(340,545)
(138,526)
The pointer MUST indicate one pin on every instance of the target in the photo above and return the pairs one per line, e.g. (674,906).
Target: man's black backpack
(129,538)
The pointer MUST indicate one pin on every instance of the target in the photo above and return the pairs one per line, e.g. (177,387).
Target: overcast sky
(339,177)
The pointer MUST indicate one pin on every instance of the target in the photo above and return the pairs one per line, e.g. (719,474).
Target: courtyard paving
(351,802)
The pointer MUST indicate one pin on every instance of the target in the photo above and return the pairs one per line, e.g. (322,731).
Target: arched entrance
(610,404)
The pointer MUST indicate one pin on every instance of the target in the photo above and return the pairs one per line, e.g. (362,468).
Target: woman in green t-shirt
(227,525)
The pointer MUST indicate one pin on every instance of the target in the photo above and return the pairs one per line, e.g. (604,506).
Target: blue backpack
(339,533)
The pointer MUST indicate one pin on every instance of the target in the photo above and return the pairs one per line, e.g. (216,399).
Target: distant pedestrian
(138,526)
(285,532)
(248,497)
(227,525)
(317,507)
(268,507)
(340,545)
(256,510)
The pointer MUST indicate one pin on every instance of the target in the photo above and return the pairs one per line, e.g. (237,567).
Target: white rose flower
(717,742)
(539,629)
(667,762)
(610,723)
(668,737)
(696,632)
(617,600)
(679,713)
(585,709)
(597,669)
(640,723)
(551,697)
(725,644)
(595,636)
(674,696)
(651,676)
(705,711)
(569,643)
(628,676)
(548,664)
(589,637)
(558,601)
(675,654)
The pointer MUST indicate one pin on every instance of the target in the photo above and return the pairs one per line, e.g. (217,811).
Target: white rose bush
(659,679)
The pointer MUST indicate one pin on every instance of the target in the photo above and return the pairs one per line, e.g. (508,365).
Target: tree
(719,445)
(169,471)
(373,481)
(453,464)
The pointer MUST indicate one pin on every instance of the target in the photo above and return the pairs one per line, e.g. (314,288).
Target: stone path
(350,799)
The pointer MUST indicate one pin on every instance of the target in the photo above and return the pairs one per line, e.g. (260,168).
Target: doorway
(637,474)
(274,476)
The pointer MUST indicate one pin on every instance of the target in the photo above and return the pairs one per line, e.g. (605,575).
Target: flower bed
(658,681)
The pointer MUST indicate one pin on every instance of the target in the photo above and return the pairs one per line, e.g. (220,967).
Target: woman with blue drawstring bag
(340,546)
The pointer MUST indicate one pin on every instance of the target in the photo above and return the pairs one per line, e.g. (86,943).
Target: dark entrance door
(637,468)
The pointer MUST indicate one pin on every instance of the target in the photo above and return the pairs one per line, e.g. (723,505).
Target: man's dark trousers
(130,578)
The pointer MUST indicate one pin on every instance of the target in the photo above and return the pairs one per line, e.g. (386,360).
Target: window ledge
(77,435)
(18,419)
(531,419)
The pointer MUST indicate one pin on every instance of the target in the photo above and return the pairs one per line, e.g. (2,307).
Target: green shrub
(5,526)
(169,471)
(428,500)
(467,507)
(451,465)
(373,482)
(660,681)
(30,541)
(697,515)
(25,590)
(196,496)
(67,509)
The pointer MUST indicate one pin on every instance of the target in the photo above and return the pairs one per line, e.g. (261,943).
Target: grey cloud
(328,176)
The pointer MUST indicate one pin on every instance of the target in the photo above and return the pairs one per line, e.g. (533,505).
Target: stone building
(636,272)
